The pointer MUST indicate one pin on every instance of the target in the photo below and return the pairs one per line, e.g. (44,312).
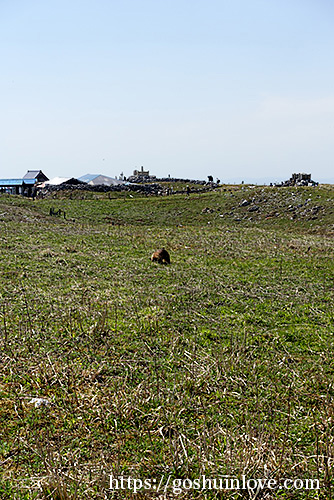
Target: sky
(236,89)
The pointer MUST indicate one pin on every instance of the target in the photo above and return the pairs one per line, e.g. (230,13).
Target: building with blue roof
(25,185)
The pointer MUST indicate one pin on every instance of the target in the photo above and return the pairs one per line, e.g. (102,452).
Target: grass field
(219,364)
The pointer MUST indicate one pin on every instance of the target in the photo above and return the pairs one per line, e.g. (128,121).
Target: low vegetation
(218,364)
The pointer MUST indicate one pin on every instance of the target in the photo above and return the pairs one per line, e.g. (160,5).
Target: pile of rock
(142,185)
(300,179)
(149,189)
(141,179)
(185,181)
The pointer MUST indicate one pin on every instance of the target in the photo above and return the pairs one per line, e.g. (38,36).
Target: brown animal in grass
(161,256)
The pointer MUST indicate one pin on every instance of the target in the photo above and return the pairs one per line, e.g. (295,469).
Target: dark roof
(74,181)
(32,174)
(35,174)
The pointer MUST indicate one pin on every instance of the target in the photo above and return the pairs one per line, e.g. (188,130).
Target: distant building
(25,185)
(35,176)
(141,172)
(99,179)
(11,186)
(58,181)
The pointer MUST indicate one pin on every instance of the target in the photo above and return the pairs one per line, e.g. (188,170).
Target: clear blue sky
(238,89)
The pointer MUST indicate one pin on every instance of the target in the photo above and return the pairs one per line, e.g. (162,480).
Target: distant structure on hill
(141,176)
(300,179)
(141,172)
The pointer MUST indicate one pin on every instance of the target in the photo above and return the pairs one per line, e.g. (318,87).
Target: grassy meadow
(218,364)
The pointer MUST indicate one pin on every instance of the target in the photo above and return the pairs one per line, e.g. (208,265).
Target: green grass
(220,363)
